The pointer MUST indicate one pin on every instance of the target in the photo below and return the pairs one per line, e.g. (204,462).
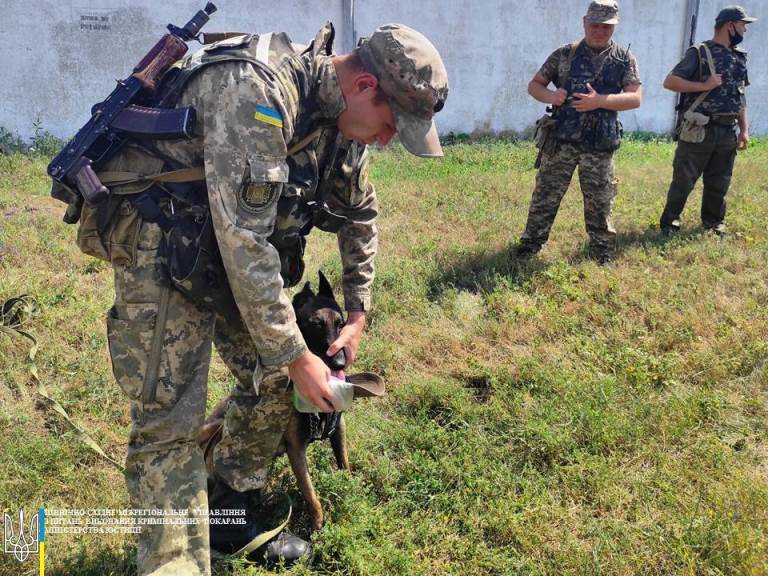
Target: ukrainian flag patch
(269,115)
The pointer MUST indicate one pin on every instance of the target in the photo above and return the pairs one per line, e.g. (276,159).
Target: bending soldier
(594,79)
(282,135)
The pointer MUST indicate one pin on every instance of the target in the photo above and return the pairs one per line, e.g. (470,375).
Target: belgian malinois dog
(320,320)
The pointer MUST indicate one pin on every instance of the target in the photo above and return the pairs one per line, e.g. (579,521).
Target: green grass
(549,418)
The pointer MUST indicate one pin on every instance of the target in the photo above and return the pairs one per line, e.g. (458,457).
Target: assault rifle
(691,41)
(126,111)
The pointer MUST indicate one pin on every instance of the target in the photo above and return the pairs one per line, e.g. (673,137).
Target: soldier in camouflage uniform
(281,138)
(594,79)
(726,107)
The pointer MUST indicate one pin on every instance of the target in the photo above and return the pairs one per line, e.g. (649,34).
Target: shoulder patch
(268,115)
(254,197)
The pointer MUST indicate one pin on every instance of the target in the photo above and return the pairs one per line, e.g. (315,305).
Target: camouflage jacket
(729,98)
(250,111)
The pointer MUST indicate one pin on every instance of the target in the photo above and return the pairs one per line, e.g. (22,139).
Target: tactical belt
(724,119)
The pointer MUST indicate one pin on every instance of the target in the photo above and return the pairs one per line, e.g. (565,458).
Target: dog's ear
(325,286)
(303,297)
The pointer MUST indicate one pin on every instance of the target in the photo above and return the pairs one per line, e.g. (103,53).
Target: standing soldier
(594,79)
(280,148)
(712,78)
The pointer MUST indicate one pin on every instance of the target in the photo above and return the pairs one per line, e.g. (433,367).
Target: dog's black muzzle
(338,361)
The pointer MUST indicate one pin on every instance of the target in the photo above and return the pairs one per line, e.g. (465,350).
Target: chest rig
(599,129)
(317,151)
(727,98)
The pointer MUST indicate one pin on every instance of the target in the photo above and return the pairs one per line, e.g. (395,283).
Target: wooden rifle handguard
(162,56)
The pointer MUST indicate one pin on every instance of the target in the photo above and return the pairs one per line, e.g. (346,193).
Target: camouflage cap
(603,12)
(413,76)
(733,14)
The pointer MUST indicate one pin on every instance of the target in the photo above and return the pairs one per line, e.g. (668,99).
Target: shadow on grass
(481,271)
(655,239)
(94,561)
(648,239)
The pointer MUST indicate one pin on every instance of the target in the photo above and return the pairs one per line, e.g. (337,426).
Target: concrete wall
(61,56)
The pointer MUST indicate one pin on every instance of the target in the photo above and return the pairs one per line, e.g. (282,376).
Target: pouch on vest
(693,127)
(606,132)
(110,230)
(544,135)
(195,266)
(326,220)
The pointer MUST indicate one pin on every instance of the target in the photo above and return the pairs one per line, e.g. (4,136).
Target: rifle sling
(703,95)
(174,176)
(194,174)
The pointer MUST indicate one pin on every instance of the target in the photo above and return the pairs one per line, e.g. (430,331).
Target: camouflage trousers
(160,344)
(598,185)
(714,158)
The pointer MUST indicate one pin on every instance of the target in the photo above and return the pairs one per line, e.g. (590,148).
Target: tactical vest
(599,129)
(301,205)
(727,98)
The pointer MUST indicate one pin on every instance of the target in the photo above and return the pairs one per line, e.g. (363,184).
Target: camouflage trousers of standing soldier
(598,186)
(714,158)
(160,344)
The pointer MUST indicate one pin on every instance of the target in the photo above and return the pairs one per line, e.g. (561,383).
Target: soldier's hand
(588,101)
(350,336)
(310,377)
(743,140)
(713,82)
(558,97)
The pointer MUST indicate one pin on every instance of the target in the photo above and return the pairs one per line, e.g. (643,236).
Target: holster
(545,137)
(292,261)
(545,131)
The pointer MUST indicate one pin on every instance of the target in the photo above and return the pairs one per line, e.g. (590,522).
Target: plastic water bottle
(343,393)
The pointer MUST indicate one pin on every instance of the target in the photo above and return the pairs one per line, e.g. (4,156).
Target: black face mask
(736,38)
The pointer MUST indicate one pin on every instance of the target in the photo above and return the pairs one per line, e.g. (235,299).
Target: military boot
(235,522)
(526,250)
(602,255)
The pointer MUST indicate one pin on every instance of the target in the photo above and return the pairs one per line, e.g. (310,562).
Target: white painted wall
(56,66)
(492,48)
